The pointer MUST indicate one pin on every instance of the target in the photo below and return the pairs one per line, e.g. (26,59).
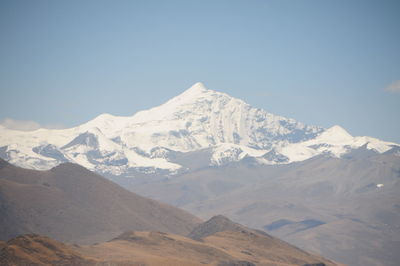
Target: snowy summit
(220,128)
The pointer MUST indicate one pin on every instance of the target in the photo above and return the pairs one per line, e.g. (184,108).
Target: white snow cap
(336,134)
(197,119)
(193,92)
(198,86)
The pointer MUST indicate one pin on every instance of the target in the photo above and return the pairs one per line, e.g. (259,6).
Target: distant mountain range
(197,123)
(347,209)
(38,209)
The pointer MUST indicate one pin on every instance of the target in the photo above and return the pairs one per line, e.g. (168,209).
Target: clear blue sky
(322,62)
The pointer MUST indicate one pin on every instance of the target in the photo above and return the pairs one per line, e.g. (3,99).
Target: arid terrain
(217,242)
(71,216)
(70,203)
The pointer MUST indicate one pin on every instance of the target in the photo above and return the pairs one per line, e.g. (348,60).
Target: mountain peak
(195,120)
(216,224)
(189,96)
(198,86)
(337,134)
(194,91)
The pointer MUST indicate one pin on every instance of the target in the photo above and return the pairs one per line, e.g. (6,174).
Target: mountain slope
(70,203)
(224,129)
(219,242)
(40,251)
(346,209)
(238,239)
(227,248)
(215,225)
(222,242)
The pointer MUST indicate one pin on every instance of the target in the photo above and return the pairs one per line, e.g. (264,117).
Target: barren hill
(231,244)
(70,203)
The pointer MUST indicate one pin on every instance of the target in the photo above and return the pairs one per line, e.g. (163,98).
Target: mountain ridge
(195,120)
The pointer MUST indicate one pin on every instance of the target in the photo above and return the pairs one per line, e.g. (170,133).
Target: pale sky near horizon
(322,62)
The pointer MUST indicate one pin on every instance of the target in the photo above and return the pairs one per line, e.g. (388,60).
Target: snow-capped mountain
(199,120)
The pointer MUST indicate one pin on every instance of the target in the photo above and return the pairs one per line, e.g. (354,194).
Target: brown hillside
(72,204)
(243,247)
(39,250)
(237,246)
